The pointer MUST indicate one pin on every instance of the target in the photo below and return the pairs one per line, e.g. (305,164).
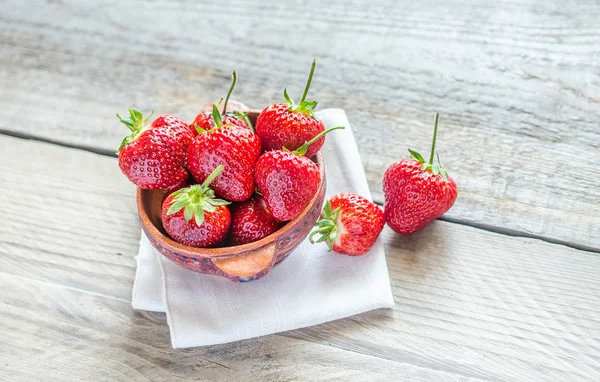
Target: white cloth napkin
(310,287)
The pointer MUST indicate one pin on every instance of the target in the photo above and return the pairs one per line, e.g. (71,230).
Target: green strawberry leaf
(321,239)
(124,143)
(244,116)
(219,202)
(127,123)
(199,217)
(327,209)
(336,213)
(334,233)
(199,129)
(326,227)
(176,206)
(218,121)
(209,207)
(135,125)
(287,97)
(416,155)
(135,115)
(309,105)
(188,213)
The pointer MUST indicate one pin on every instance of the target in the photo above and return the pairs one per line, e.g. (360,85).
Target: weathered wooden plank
(53,333)
(469,303)
(516,84)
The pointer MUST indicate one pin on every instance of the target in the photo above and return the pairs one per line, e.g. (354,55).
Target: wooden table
(504,287)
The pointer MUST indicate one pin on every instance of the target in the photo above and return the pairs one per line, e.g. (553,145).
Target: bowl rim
(232,251)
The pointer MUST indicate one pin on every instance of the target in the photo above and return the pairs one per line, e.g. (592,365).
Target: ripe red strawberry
(350,224)
(288,180)
(193,216)
(204,119)
(289,124)
(236,148)
(416,191)
(251,221)
(153,157)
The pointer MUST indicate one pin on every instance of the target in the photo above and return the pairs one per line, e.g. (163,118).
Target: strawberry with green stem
(194,216)
(417,191)
(290,124)
(153,156)
(235,148)
(204,121)
(288,180)
(350,224)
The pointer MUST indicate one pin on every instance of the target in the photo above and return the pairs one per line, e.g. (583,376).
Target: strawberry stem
(197,199)
(435,129)
(304,148)
(323,133)
(326,227)
(310,77)
(212,176)
(233,81)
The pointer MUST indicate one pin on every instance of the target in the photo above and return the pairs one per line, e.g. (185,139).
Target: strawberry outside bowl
(240,263)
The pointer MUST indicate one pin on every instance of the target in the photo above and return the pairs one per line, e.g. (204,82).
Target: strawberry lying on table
(417,191)
(350,224)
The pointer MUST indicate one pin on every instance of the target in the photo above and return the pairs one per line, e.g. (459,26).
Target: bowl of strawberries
(233,192)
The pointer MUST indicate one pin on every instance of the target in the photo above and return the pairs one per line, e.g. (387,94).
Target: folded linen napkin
(310,287)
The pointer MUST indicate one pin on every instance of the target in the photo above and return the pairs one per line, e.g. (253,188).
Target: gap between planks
(485,227)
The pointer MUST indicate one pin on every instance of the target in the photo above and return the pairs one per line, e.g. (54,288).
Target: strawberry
(193,216)
(251,221)
(204,119)
(236,148)
(288,180)
(350,224)
(289,124)
(153,157)
(417,191)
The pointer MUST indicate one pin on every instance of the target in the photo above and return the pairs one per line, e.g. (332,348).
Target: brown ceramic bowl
(240,263)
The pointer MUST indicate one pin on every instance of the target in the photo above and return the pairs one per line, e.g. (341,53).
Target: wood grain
(516,84)
(470,304)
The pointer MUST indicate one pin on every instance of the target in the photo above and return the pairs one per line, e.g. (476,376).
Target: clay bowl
(240,263)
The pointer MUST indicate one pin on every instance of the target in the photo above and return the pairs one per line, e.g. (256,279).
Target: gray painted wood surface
(518,88)
(470,304)
(516,83)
